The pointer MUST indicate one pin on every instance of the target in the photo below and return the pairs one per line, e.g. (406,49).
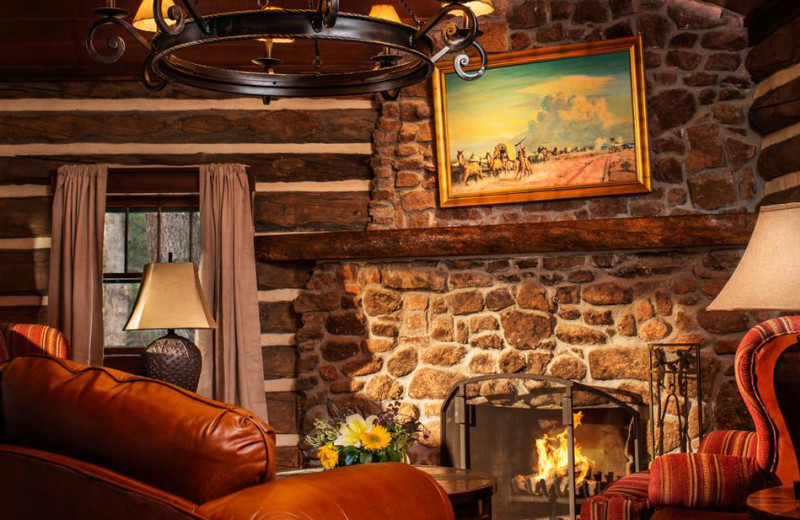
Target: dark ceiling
(45,40)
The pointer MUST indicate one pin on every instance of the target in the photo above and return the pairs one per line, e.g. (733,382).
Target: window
(150,215)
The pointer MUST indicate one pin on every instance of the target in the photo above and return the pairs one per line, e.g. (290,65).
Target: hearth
(549,442)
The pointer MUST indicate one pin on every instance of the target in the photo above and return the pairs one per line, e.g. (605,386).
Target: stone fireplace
(537,435)
(375,331)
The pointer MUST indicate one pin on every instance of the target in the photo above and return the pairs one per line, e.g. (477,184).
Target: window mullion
(158,235)
(125,242)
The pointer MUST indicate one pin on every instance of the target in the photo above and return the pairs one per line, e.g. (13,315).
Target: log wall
(310,160)
(775,112)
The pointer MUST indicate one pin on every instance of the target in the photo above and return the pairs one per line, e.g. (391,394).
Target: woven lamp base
(173,359)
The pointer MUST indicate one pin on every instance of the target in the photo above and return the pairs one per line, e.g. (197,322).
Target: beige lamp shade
(170,297)
(384,12)
(480,7)
(768,276)
(144,20)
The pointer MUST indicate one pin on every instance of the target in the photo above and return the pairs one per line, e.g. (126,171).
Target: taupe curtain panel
(75,290)
(232,363)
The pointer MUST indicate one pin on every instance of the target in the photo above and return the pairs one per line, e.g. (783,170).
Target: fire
(553,459)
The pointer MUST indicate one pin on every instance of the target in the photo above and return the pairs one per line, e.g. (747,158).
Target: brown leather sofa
(90,443)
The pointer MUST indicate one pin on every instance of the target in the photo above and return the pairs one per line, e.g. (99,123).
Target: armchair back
(767,364)
(26,339)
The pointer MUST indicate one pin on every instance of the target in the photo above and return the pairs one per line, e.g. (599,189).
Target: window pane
(142,238)
(175,234)
(118,300)
(114,243)
(196,237)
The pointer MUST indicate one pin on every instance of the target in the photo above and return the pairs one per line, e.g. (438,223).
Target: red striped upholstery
(746,354)
(24,339)
(743,458)
(613,506)
(702,480)
(632,486)
(730,442)
(625,499)
(5,355)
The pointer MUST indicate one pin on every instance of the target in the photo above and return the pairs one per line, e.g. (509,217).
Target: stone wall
(377,331)
(698,92)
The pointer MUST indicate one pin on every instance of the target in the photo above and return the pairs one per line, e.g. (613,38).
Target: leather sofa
(90,443)
(769,450)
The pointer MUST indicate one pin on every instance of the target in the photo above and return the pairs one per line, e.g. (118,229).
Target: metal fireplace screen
(549,442)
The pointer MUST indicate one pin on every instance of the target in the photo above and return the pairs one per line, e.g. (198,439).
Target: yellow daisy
(328,456)
(376,438)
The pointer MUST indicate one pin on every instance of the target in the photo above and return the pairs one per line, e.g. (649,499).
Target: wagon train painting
(544,125)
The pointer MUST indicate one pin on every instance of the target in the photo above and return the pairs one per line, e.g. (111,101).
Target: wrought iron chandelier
(406,53)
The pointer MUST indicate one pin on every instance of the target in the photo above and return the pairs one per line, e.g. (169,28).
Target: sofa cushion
(147,430)
(44,486)
(699,480)
(379,491)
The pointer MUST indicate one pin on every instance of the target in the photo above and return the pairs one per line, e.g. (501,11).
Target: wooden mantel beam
(732,229)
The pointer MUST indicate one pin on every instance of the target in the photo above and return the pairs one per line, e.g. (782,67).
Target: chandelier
(373,53)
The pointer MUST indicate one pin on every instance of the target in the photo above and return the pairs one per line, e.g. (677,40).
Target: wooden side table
(470,492)
(773,503)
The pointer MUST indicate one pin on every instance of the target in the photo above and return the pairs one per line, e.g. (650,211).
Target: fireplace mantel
(681,231)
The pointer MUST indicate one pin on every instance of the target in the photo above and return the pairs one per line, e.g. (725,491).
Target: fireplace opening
(549,442)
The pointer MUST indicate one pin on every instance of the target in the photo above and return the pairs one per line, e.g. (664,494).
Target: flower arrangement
(349,438)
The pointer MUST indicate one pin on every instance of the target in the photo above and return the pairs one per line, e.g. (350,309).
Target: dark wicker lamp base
(173,359)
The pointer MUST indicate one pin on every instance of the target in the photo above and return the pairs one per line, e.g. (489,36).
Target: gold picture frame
(586,105)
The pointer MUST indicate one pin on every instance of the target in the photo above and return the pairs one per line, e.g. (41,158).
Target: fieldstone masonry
(410,330)
(375,331)
(698,92)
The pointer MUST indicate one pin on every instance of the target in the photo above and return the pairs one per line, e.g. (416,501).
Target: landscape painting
(545,124)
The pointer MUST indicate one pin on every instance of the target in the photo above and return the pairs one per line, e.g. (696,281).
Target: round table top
(777,502)
(455,481)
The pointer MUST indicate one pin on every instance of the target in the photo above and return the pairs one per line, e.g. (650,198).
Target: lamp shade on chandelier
(330,52)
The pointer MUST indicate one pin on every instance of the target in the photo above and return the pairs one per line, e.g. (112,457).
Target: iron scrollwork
(325,14)
(457,39)
(176,14)
(112,16)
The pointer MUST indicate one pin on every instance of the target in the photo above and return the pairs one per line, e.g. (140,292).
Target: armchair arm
(383,490)
(699,480)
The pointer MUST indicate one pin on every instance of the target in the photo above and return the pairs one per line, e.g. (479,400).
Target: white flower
(351,430)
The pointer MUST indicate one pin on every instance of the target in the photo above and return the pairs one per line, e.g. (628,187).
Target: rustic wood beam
(572,236)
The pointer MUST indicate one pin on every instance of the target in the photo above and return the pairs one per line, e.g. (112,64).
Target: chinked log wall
(290,146)
(775,113)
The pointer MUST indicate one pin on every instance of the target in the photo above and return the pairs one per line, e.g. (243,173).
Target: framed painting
(552,123)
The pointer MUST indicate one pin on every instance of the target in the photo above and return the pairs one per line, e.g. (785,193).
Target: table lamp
(171,297)
(768,279)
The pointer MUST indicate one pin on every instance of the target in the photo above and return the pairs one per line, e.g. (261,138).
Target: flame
(552,459)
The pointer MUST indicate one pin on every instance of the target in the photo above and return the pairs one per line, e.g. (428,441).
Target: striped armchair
(25,339)
(728,464)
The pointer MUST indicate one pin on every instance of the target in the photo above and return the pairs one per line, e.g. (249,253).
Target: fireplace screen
(549,442)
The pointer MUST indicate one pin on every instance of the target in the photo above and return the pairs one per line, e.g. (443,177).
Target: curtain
(232,362)
(75,291)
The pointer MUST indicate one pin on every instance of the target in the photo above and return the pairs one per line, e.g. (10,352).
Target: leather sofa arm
(384,490)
